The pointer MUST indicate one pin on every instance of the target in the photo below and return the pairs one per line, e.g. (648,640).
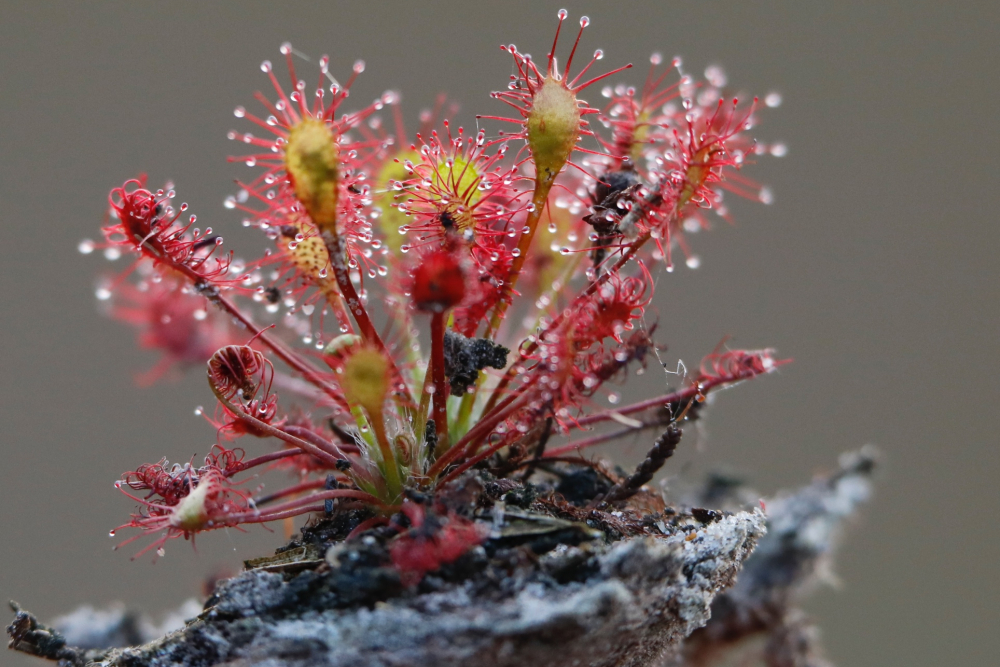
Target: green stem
(393,482)
(467,404)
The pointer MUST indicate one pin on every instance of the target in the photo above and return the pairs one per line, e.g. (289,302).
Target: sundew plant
(432,305)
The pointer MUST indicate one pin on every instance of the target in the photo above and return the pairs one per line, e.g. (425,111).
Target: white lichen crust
(646,595)
(587,600)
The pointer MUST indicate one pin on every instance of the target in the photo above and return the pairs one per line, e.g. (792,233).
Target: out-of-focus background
(875,269)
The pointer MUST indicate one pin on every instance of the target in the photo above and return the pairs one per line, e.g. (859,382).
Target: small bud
(190,514)
(366,380)
(311,162)
(341,343)
(553,127)
(438,283)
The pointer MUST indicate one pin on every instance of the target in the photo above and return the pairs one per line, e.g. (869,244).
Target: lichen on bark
(685,592)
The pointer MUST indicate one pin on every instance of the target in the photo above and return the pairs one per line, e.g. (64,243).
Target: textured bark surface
(644,595)
(803,529)
(587,601)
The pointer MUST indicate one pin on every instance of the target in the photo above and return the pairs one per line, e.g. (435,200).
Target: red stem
(365,525)
(342,274)
(261,460)
(631,218)
(591,288)
(292,359)
(591,441)
(314,438)
(539,199)
(298,503)
(306,447)
(482,428)
(290,491)
(440,397)
(287,514)
(701,386)
(486,453)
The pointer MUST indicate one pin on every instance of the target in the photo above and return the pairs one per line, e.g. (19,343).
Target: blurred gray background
(876,269)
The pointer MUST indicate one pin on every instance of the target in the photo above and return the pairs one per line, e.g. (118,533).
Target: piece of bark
(630,602)
(642,596)
(803,529)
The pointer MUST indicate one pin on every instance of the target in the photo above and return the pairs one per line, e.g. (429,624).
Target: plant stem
(592,441)
(538,200)
(440,397)
(290,491)
(699,388)
(293,360)
(469,400)
(482,428)
(558,320)
(315,438)
(261,460)
(425,401)
(629,220)
(306,447)
(342,274)
(301,506)
(467,404)
(393,482)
